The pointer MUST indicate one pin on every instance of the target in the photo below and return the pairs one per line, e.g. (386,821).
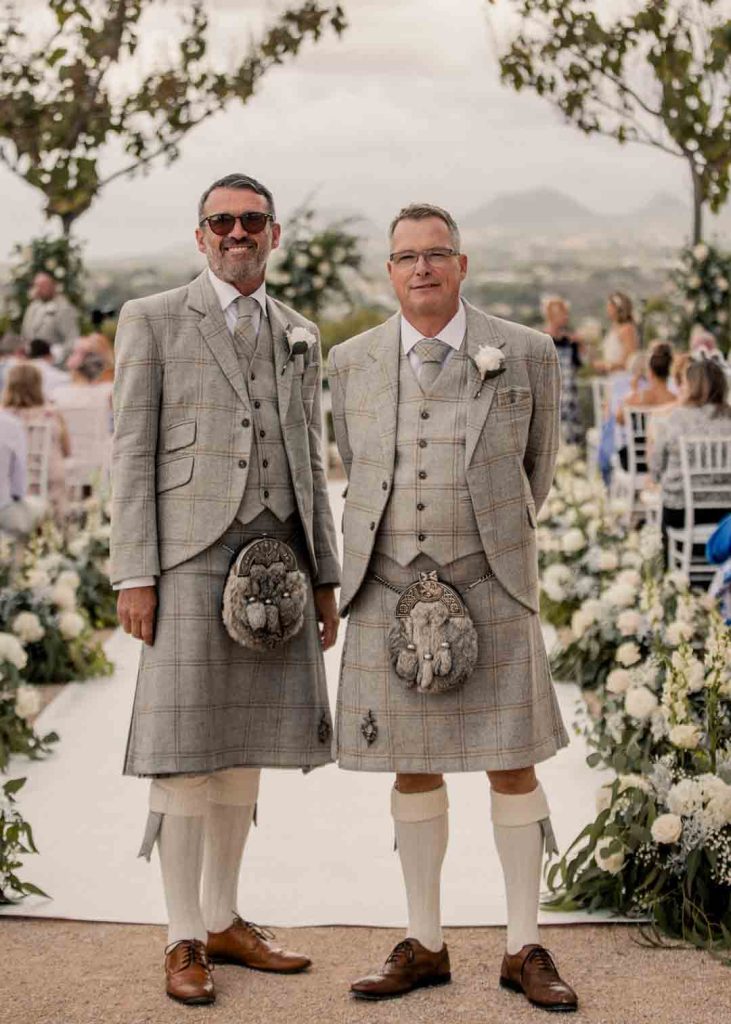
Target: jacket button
(242,463)
(372,526)
(266,494)
(253,376)
(257,404)
(262,433)
(265,463)
(384,485)
(424,414)
(422,443)
(421,506)
(422,536)
(244,423)
(422,474)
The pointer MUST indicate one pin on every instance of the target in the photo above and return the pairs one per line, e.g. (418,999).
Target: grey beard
(240,272)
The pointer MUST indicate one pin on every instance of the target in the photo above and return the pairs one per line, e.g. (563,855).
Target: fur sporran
(265,595)
(433,645)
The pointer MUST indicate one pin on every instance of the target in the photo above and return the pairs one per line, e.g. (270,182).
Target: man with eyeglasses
(447,421)
(218,443)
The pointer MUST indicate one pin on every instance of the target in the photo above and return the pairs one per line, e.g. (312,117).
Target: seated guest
(96,343)
(653,393)
(86,404)
(718,552)
(17,515)
(23,397)
(568,348)
(39,353)
(703,412)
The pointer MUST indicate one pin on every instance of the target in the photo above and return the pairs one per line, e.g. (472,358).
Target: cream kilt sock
(519,838)
(182,803)
(422,830)
(232,797)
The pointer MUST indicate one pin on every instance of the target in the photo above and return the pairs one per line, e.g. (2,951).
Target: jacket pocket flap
(174,474)
(530,509)
(180,435)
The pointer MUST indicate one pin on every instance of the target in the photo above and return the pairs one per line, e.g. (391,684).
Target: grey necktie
(245,330)
(432,354)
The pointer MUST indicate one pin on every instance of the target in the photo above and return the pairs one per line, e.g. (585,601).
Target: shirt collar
(226,293)
(452,333)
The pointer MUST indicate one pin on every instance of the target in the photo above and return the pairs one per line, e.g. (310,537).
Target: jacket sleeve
(337,391)
(544,433)
(137,398)
(323,525)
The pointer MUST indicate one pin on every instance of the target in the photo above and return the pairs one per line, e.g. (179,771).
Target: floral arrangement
(60,257)
(704,283)
(18,704)
(16,839)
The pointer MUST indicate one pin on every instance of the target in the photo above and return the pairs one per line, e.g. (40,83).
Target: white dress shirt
(227,295)
(13,459)
(452,334)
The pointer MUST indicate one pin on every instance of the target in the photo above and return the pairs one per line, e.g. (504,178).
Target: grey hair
(240,181)
(422,211)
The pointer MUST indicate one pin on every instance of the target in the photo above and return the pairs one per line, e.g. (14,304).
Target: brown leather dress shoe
(247,945)
(188,973)
(409,966)
(533,972)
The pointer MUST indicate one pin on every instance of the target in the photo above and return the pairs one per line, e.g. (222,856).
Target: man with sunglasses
(447,421)
(218,443)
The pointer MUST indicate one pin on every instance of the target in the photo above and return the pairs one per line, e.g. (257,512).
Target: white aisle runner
(323,851)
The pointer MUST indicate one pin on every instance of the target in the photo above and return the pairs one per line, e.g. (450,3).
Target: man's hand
(327,614)
(136,612)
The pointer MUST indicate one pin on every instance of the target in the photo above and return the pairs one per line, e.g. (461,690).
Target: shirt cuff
(135,581)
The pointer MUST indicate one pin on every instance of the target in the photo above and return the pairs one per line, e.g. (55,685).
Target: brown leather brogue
(188,973)
(247,945)
(533,972)
(409,966)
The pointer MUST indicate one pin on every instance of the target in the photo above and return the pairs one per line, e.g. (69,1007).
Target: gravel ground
(70,972)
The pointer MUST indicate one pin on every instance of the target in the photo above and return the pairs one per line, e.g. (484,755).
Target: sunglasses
(253,222)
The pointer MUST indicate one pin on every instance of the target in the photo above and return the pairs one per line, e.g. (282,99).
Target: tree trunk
(67,222)
(698,201)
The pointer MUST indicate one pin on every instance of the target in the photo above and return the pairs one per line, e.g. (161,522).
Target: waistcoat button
(265,463)
(422,536)
(257,404)
(384,485)
(421,506)
(242,463)
(422,474)
(266,494)
(424,414)
(244,423)
(422,443)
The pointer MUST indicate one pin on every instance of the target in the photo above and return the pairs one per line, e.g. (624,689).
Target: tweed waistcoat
(429,510)
(269,481)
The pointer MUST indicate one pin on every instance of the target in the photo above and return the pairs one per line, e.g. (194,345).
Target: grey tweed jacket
(182,438)
(511,443)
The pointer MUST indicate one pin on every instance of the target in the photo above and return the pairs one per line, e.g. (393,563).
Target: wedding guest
(51,317)
(653,392)
(703,412)
(16,516)
(556,311)
(11,350)
(23,397)
(39,353)
(97,343)
(702,340)
(86,404)
(621,340)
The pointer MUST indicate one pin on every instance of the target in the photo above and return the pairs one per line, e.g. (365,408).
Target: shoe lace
(541,958)
(403,951)
(261,933)
(193,953)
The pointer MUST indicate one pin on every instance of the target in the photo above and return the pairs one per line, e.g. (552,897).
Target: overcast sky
(406,105)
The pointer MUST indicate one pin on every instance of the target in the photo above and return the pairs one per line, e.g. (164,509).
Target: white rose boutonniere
(490,362)
(300,341)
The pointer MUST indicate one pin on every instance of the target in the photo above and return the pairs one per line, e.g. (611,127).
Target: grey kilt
(203,702)
(504,716)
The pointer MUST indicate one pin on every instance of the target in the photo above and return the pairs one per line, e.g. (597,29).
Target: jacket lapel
(480,331)
(386,352)
(202,299)
(283,365)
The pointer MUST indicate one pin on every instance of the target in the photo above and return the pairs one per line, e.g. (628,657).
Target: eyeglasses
(432,257)
(253,222)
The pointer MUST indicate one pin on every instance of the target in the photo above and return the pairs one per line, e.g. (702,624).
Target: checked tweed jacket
(511,442)
(183,425)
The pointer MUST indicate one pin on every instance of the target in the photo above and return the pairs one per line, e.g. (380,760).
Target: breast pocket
(514,401)
(179,435)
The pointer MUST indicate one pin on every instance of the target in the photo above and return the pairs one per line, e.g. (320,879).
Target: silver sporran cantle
(265,595)
(433,645)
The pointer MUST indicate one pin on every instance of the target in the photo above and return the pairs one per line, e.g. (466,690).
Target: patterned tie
(432,354)
(245,330)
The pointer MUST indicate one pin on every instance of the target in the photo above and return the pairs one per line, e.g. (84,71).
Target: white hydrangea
(618,680)
(27,701)
(677,633)
(631,559)
(717,812)
(712,785)
(69,578)
(620,594)
(77,547)
(12,650)
(685,797)
(70,624)
(629,578)
(605,861)
(28,628)
(667,828)
(37,578)
(639,703)
(63,597)
(580,622)
(678,580)
(686,736)
(573,541)
(634,781)
(692,670)
(629,622)
(555,580)
(608,560)
(628,654)
(590,509)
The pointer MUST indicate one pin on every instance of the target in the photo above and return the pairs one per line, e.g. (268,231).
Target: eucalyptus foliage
(659,75)
(16,840)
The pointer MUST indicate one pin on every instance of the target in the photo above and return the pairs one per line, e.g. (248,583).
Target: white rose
(489,359)
(580,622)
(77,547)
(590,509)
(629,622)
(611,862)
(301,260)
(667,828)
(634,781)
(608,560)
(621,595)
(618,680)
(629,578)
(700,252)
(555,580)
(677,632)
(27,627)
(694,281)
(37,579)
(63,597)
(684,797)
(722,284)
(71,624)
(12,650)
(628,654)
(685,736)
(69,578)
(573,541)
(639,703)
(27,701)
(678,580)
(632,559)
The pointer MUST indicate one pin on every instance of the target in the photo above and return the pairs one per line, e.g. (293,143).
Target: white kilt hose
(504,716)
(203,702)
